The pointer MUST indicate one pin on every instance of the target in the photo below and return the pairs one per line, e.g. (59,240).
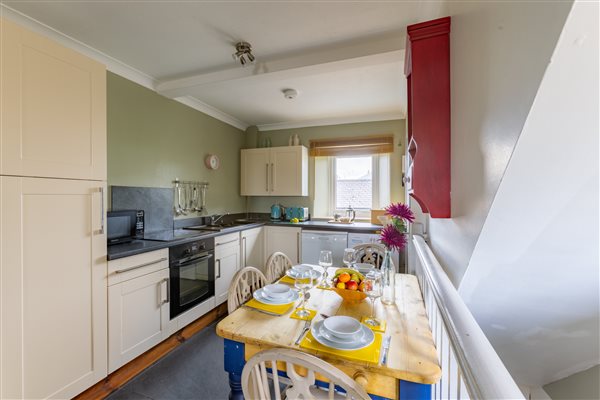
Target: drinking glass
(349,255)
(373,290)
(304,282)
(325,261)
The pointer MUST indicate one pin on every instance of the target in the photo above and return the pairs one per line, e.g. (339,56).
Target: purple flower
(392,238)
(400,210)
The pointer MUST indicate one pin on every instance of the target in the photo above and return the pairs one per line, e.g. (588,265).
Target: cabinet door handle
(244,252)
(101,231)
(272,177)
(267,165)
(229,241)
(168,298)
(298,246)
(120,271)
(218,262)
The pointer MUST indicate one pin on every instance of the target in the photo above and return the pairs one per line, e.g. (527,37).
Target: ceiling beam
(379,51)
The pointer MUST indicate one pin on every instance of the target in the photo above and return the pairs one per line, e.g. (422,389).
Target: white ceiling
(345,58)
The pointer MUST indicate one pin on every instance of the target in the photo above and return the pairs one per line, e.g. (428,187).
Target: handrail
(484,375)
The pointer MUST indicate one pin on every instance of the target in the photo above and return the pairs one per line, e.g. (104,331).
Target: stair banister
(480,368)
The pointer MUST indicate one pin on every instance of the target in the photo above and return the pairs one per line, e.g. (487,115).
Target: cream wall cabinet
(138,306)
(253,248)
(274,171)
(53,109)
(284,239)
(53,287)
(227,263)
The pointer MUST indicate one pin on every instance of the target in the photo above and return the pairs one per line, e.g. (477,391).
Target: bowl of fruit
(348,283)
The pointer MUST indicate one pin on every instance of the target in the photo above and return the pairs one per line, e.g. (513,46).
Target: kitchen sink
(217,228)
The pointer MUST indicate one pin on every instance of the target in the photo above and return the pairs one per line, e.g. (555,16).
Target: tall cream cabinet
(53,265)
(53,268)
(274,171)
(53,109)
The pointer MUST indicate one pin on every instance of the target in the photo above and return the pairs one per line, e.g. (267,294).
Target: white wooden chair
(277,264)
(370,253)
(257,383)
(243,284)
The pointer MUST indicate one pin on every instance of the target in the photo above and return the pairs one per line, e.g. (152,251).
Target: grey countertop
(143,246)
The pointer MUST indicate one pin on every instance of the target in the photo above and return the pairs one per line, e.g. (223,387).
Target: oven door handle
(193,259)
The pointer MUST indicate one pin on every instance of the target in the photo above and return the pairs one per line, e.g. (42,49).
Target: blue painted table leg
(413,391)
(234,364)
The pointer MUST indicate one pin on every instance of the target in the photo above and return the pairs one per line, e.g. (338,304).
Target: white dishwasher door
(315,241)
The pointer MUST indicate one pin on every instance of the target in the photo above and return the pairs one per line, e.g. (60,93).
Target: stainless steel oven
(192,273)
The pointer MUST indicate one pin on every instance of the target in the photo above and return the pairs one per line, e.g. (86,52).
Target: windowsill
(331,218)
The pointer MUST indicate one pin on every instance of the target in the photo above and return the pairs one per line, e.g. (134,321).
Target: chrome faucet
(216,218)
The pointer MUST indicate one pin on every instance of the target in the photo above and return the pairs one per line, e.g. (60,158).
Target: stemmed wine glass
(304,282)
(349,255)
(373,289)
(325,261)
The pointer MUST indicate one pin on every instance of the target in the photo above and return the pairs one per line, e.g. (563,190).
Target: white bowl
(302,268)
(364,268)
(342,326)
(277,291)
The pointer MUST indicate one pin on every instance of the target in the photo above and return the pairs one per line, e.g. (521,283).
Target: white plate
(365,339)
(332,338)
(261,296)
(301,268)
(292,274)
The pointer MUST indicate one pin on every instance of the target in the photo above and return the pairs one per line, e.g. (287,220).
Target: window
(362,182)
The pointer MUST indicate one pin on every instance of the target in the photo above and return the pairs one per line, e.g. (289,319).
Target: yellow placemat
(289,280)
(368,354)
(377,328)
(278,309)
(306,318)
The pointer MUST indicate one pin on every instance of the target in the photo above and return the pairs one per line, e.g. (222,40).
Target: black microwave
(124,225)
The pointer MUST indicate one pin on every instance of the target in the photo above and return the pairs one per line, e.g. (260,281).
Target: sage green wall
(152,140)
(582,385)
(280,138)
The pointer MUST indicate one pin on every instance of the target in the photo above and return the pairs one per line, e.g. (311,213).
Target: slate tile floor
(194,370)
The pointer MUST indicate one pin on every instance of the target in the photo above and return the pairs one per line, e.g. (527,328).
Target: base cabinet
(284,239)
(227,264)
(252,248)
(53,271)
(138,307)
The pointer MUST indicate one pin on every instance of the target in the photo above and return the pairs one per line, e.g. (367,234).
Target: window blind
(358,146)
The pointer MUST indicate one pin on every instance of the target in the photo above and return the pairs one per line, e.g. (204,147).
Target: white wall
(499,51)
(532,282)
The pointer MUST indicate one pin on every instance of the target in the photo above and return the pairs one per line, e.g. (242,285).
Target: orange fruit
(344,277)
(341,285)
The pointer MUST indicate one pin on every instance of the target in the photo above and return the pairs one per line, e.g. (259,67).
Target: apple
(352,285)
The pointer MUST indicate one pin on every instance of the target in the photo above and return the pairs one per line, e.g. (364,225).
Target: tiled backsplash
(157,204)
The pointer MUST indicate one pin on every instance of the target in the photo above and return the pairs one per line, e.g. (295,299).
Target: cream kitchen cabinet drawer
(284,239)
(138,315)
(54,304)
(227,264)
(274,171)
(53,108)
(252,248)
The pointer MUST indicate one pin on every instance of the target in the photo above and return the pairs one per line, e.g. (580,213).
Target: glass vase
(388,271)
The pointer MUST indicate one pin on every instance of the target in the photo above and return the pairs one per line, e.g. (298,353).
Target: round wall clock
(212,161)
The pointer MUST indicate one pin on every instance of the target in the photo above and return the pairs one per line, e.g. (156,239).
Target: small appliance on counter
(124,226)
(276,212)
(301,213)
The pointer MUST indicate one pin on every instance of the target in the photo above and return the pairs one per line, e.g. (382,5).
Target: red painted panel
(429,115)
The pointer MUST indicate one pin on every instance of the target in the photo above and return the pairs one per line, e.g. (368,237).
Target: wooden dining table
(412,364)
